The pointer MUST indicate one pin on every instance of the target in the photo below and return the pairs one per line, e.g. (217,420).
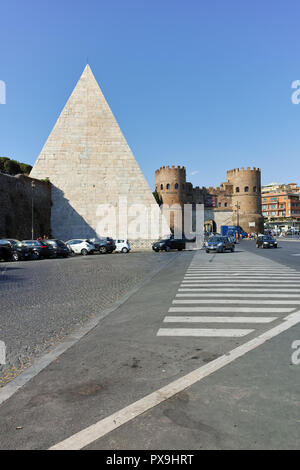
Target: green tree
(12,167)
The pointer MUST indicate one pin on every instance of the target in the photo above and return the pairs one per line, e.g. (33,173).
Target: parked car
(169,244)
(219,244)
(19,251)
(103,245)
(266,241)
(39,249)
(122,246)
(5,251)
(81,246)
(60,248)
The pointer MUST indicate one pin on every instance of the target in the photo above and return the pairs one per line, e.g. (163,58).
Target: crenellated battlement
(243,171)
(172,168)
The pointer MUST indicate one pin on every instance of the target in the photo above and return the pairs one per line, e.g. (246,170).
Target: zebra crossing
(231,300)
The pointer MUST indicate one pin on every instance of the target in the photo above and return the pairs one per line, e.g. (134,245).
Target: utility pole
(32,192)
(238,217)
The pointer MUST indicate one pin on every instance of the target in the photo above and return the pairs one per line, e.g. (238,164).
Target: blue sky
(200,83)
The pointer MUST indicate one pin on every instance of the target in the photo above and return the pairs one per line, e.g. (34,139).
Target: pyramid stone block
(89,164)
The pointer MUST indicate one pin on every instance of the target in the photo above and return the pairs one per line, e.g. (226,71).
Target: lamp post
(32,192)
(238,217)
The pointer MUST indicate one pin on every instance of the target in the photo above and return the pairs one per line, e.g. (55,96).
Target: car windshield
(216,239)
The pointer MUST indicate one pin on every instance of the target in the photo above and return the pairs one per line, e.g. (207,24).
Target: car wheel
(84,252)
(35,255)
(102,250)
(167,248)
(15,257)
(207,251)
(156,250)
(180,249)
(124,250)
(232,250)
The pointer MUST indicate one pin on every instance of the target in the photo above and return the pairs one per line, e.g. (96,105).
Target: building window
(219,204)
(246,189)
(168,186)
(176,185)
(225,204)
(161,186)
(237,190)
(254,189)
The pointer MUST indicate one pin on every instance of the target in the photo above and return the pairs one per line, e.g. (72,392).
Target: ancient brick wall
(16,207)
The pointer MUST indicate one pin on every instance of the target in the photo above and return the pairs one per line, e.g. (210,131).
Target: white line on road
(232,309)
(240,281)
(235,289)
(269,295)
(110,423)
(219,319)
(207,332)
(238,301)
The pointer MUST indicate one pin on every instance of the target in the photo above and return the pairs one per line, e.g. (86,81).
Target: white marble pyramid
(90,165)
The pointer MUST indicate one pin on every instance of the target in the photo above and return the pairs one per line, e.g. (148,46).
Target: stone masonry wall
(15,207)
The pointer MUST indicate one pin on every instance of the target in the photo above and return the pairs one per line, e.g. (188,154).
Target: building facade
(281,206)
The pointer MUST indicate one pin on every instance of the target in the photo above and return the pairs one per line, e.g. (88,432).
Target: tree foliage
(12,167)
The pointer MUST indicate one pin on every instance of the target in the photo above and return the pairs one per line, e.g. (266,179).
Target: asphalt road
(193,313)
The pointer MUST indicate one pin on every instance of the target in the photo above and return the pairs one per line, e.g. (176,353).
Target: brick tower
(246,198)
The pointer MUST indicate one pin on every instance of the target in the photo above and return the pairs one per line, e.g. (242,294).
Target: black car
(19,251)
(266,241)
(219,244)
(169,244)
(39,249)
(60,248)
(103,245)
(5,251)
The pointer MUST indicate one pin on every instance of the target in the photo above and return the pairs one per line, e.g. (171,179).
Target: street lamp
(238,217)
(32,187)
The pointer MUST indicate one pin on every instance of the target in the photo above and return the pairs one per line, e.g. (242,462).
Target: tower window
(237,190)
(254,189)
(168,186)
(219,204)
(176,186)
(161,186)
(225,204)
(246,189)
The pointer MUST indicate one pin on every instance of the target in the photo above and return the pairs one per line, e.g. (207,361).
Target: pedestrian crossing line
(232,309)
(238,301)
(238,281)
(235,289)
(195,319)
(216,294)
(242,270)
(209,332)
(244,276)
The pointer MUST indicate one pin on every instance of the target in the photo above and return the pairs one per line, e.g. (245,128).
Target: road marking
(206,332)
(219,319)
(269,295)
(232,309)
(235,289)
(239,281)
(244,276)
(237,301)
(296,254)
(110,423)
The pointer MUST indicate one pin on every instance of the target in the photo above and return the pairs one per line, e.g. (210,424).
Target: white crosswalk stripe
(261,291)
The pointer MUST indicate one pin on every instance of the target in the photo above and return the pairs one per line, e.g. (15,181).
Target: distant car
(103,245)
(219,244)
(169,244)
(5,251)
(39,249)
(81,246)
(266,241)
(19,251)
(122,246)
(60,248)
